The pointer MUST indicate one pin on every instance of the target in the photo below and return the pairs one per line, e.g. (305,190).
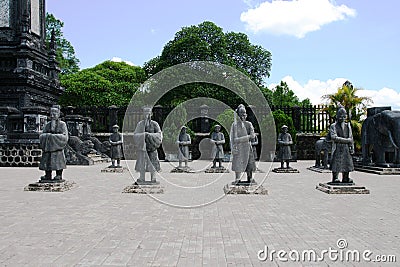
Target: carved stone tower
(28,70)
(29,82)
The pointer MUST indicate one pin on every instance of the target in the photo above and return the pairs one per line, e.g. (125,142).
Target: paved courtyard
(94,224)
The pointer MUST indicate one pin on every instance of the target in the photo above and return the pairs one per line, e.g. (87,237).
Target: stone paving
(95,224)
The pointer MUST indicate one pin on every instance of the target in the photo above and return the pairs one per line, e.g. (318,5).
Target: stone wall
(306,146)
(20,155)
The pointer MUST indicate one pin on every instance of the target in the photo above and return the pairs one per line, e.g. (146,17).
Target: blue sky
(315,44)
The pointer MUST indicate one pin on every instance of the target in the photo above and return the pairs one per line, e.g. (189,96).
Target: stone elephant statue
(325,146)
(381,136)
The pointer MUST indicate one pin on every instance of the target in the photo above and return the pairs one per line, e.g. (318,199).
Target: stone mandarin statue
(53,140)
(284,142)
(342,147)
(183,143)
(218,139)
(116,141)
(241,134)
(147,138)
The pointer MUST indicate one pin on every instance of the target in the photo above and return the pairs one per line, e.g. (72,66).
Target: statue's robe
(53,143)
(242,150)
(183,153)
(116,146)
(217,151)
(147,139)
(341,160)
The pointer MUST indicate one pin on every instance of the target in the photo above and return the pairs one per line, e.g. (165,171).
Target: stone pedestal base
(245,188)
(50,186)
(217,170)
(341,188)
(182,170)
(114,169)
(319,169)
(149,188)
(285,170)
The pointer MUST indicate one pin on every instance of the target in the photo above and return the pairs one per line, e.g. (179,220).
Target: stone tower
(29,82)
(28,70)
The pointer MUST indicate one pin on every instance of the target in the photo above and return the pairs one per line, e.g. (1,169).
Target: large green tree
(208,42)
(65,53)
(109,83)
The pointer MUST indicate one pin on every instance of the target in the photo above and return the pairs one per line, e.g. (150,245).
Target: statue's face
(115,129)
(147,113)
(285,130)
(217,129)
(54,113)
(242,115)
(341,116)
(184,130)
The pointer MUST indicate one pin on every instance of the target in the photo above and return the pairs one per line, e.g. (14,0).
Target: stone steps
(377,170)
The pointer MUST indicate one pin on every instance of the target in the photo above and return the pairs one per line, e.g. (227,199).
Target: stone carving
(241,134)
(183,143)
(381,135)
(31,125)
(116,142)
(284,142)
(342,147)
(325,147)
(217,153)
(53,141)
(4,13)
(147,139)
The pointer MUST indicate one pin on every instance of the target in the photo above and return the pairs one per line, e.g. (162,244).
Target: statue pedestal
(319,169)
(144,187)
(341,188)
(285,170)
(182,170)
(217,170)
(245,188)
(50,186)
(115,169)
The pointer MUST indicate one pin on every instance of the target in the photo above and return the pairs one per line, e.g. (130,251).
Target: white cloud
(315,89)
(294,17)
(118,59)
(383,97)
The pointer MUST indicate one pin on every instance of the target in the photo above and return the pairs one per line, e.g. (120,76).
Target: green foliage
(65,53)
(208,42)
(282,95)
(109,83)
(355,106)
(281,119)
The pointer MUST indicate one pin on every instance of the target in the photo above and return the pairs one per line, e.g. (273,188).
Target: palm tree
(356,107)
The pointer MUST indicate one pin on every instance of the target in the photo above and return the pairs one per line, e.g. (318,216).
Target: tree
(208,42)
(282,95)
(109,83)
(65,53)
(355,106)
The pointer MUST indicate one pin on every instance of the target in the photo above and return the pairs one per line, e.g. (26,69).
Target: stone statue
(147,138)
(342,147)
(254,143)
(116,142)
(217,153)
(241,134)
(183,142)
(284,142)
(53,140)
